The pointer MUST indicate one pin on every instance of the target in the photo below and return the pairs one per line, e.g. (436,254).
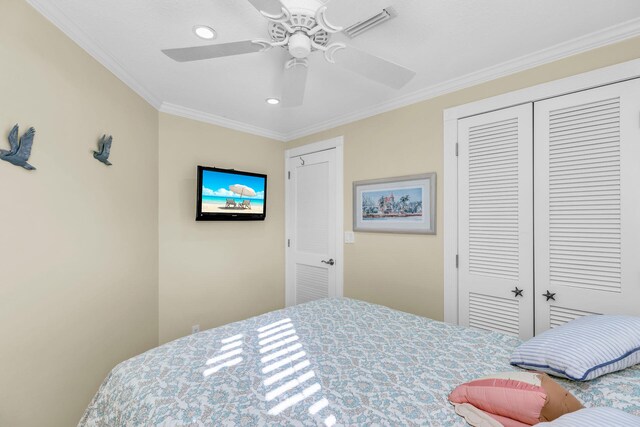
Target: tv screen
(231,195)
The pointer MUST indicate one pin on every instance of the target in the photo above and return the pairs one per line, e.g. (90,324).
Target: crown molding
(613,34)
(64,24)
(607,36)
(190,113)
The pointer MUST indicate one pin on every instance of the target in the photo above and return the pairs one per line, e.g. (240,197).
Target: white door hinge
(457,261)
(457,149)
(288,243)
(289,175)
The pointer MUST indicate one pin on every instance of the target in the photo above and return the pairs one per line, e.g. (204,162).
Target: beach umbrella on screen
(242,190)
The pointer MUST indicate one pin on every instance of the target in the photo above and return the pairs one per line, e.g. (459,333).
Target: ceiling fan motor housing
(299,45)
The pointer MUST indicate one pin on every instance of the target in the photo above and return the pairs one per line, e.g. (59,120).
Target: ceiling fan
(301,29)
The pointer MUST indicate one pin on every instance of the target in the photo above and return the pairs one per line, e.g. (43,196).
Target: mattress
(333,361)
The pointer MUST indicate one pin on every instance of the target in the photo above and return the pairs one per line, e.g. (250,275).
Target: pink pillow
(512,399)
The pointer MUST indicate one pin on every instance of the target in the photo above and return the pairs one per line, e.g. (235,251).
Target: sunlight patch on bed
(277,337)
(289,385)
(224,356)
(230,346)
(330,421)
(279,322)
(282,362)
(296,398)
(318,406)
(228,350)
(279,344)
(231,339)
(274,330)
(227,364)
(286,363)
(279,353)
(289,371)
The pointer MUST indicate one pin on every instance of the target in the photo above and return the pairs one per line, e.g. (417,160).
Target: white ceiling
(449,43)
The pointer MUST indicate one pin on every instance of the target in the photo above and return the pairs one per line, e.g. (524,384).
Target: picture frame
(405,204)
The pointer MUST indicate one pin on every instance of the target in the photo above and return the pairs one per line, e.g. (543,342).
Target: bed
(332,361)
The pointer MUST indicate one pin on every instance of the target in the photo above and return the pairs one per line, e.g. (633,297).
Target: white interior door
(587,204)
(312,256)
(495,211)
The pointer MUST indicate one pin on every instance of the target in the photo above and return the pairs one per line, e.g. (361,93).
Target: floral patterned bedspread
(329,362)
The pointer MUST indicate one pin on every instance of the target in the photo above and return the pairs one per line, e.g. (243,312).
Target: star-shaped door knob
(518,292)
(549,295)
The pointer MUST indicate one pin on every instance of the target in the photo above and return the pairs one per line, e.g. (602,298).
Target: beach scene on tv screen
(228,192)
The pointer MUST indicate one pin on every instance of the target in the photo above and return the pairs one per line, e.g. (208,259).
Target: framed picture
(405,204)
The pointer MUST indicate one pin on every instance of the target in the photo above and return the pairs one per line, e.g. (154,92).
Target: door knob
(330,262)
(518,292)
(550,295)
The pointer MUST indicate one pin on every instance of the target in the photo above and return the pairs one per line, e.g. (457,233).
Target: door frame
(333,143)
(584,81)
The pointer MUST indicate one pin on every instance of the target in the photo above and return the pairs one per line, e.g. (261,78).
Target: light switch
(349,237)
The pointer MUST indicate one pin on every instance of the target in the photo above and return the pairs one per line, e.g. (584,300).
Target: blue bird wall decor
(105,149)
(20,149)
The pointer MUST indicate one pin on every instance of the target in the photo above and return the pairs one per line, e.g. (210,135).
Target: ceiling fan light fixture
(299,45)
(205,32)
(272,101)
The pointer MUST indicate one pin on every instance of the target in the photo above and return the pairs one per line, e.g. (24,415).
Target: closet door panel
(587,204)
(496,221)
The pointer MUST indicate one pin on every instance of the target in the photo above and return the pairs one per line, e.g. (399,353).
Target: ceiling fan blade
(197,53)
(271,7)
(295,82)
(373,67)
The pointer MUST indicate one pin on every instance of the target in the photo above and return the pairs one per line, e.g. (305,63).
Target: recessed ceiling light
(204,32)
(273,101)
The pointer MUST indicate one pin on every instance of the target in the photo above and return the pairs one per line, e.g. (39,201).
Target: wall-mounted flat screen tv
(231,195)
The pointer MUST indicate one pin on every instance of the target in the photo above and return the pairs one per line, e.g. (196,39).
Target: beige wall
(406,271)
(78,240)
(212,273)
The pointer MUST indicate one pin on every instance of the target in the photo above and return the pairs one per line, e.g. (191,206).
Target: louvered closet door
(587,204)
(496,221)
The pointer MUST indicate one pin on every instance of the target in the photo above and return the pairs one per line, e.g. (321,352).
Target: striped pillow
(594,417)
(583,349)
